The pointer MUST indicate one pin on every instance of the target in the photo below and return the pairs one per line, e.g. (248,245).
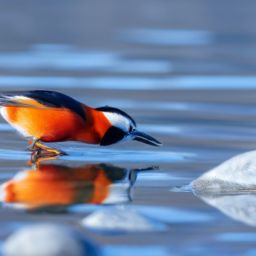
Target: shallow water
(193,87)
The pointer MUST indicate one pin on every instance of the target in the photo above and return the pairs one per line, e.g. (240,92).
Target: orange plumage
(53,124)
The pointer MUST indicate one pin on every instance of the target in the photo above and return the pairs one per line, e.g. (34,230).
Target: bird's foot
(49,150)
(40,148)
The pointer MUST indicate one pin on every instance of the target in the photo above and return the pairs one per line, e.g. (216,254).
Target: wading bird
(48,116)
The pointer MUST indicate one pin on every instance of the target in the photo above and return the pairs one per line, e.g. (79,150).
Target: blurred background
(185,70)
(119,39)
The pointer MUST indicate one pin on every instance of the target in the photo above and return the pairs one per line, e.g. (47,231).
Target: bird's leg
(37,145)
(54,151)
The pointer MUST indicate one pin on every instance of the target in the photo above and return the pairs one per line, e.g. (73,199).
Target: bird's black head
(123,128)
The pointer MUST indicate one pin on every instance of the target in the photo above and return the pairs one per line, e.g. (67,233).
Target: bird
(44,116)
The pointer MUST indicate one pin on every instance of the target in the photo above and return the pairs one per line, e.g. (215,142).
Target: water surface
(192,87)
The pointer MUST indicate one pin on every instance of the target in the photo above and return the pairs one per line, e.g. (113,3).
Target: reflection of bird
(49,116)
(60,185)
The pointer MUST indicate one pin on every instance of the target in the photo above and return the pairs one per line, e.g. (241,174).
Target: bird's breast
(48,124)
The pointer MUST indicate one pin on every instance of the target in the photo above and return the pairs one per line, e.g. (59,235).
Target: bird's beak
(143,137)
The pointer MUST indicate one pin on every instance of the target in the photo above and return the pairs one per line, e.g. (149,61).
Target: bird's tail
(9,100)
(6,101)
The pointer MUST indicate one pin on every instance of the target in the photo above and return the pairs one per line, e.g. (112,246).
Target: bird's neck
(95,126)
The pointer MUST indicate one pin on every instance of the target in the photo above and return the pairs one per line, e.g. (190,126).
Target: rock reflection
(231,188)
(52,185)
(240,207)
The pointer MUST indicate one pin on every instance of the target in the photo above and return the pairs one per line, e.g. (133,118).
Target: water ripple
(167,37)
(136,251)
(173,215)
(239,237)
(129,156)
(136,83)
(56,57)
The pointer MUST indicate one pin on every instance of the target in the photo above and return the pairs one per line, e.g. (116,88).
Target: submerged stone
(119,219)
(47,240)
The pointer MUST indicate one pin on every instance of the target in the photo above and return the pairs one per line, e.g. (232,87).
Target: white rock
(43,240)
(119,219)
(235,174)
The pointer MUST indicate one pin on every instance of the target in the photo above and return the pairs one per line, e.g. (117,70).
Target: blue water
(134,83)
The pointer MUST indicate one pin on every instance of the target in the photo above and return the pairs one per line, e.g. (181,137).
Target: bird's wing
(41,99)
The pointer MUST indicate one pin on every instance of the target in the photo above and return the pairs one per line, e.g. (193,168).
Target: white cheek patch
(118,120)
